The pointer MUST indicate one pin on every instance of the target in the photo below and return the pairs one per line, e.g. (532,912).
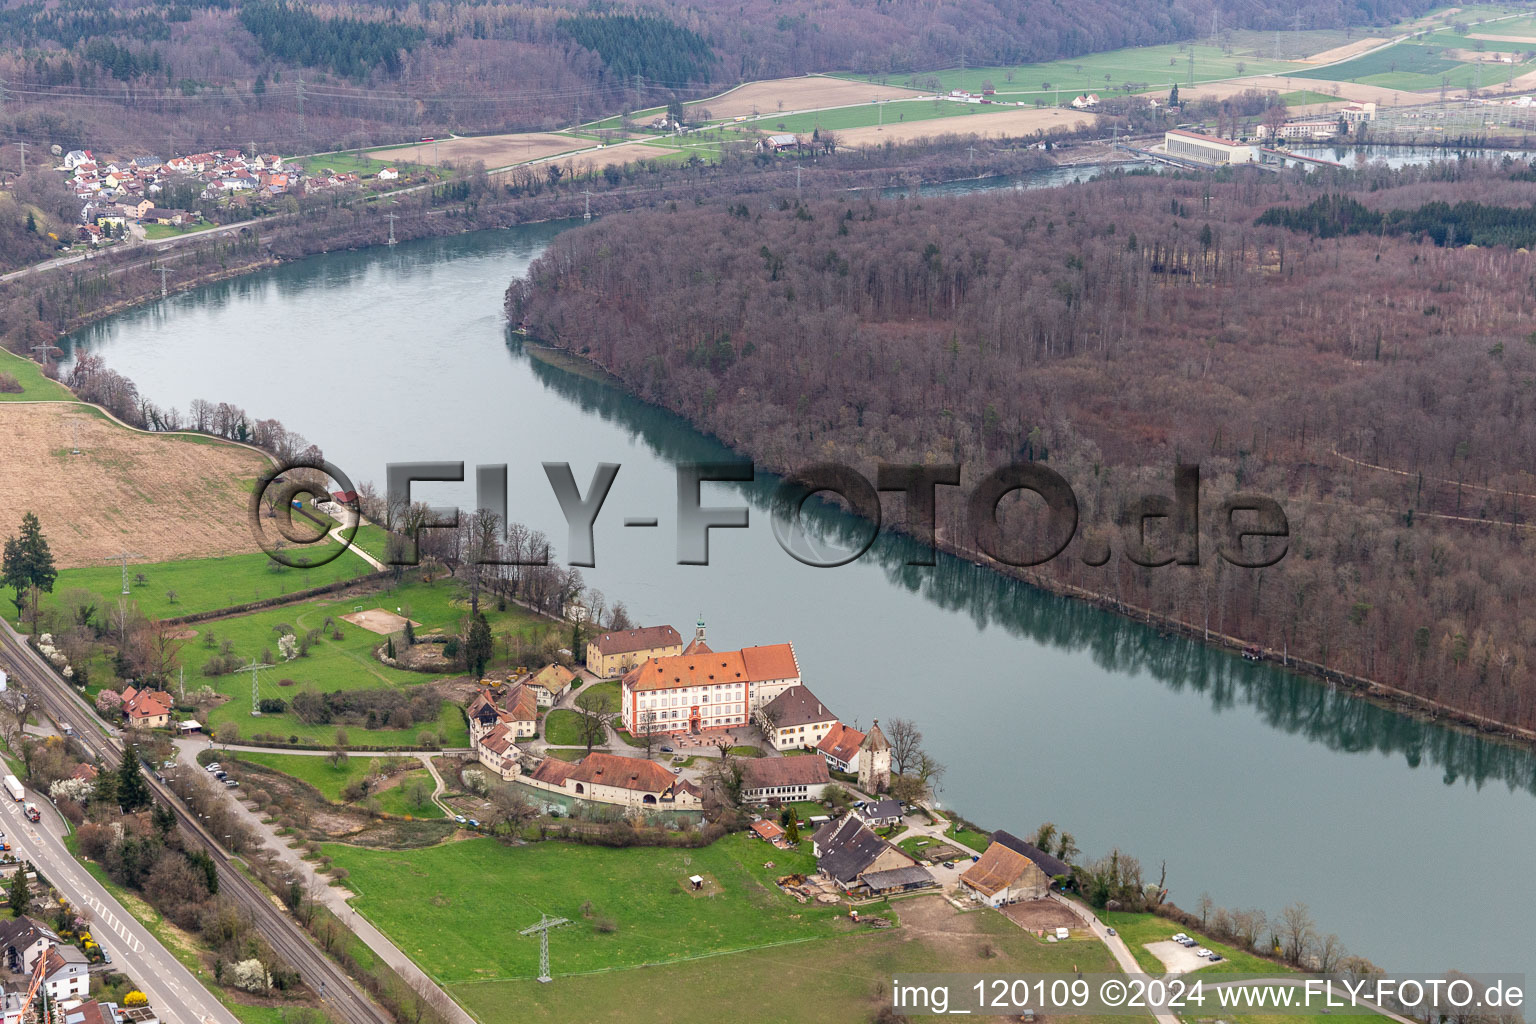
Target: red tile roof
(841,742)
(776,661)
(683,670)
(645,638)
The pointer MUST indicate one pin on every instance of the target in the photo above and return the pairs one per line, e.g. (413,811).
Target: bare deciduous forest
(1380,386)
(158,75)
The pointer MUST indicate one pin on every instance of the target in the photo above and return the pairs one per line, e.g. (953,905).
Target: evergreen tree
(20,892)
(477,645)
(132,790)
(28,563)
(164,819)
(1173,95)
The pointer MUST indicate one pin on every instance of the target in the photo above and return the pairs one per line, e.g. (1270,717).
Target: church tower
(697,644)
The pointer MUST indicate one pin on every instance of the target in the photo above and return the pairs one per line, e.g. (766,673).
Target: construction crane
(36,986)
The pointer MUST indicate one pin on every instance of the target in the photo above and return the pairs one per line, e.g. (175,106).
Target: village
(122,198)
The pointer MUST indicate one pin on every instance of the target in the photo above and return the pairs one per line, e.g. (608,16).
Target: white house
(66,973)
(840,748)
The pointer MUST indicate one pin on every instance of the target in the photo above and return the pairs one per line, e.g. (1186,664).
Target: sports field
(163,496)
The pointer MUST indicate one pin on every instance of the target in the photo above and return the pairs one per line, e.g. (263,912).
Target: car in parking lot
(460,819)
(473,823)
(231,783)
(1202,952)
(1188,943)
(949,864)
(1180,937)
(1214,958)
(212,767)
(666,749)
(677,769)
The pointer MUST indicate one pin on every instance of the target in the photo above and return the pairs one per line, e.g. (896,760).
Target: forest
(1380,387)
(298,77)
(1466,223)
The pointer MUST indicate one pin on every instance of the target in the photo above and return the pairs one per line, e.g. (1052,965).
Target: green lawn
(563,727)
(343,162)
(978,841)
(156,232)
(611,688)
(206,584)
(34,386)
(567,753)
(1152,66)
(441,904)
(1139,929)
(317,771)
(923,846)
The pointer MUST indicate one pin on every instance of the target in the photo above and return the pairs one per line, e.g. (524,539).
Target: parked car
(473,823)
(460,818)
(213,766)
(1180,937)
(1215,958)
(1202,952)
(949,864)
(232,783)
(169,764)
(666,749)
(677,769)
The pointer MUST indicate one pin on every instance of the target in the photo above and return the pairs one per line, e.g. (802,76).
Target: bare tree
(1297,932)
(906,741)
(596,711)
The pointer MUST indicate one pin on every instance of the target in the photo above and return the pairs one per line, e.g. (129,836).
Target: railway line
(343,1000)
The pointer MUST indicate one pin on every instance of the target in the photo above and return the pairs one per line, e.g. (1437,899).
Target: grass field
(1302,97)
(1139,929)
(977,841)
(442,903)
(1153,66)
(155,232)
(399,798)
(205,584)
(563,727)
(343,664)
(348,162)
(843,977)
(34,386)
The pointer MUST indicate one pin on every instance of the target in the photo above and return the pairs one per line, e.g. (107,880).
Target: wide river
(1411,841)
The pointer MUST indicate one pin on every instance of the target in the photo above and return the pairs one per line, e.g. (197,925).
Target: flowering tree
(109,702)
(250,975)
(288,646)
(78,790)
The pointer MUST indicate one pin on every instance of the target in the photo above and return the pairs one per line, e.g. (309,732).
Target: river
(1411,841)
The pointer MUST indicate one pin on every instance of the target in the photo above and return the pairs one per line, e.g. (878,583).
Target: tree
(792,829)
(906,741)
(132,790)
(478,644)
(596,711)
(20,892)
(1066,848)
(1297,932)
(1045,836)
(1173,95)
(27,566)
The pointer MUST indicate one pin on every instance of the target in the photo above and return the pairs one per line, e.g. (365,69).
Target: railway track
(344,1002)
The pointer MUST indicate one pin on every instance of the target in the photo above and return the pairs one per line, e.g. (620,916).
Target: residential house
(552,683)
(1085,101)
(778,143)
(75,157)
(520,714)
(137,207)
(22,941)
(875,761)
(12,999)
(92,1012)
(1054,867)
(1005,876)
(155,215)
(880,813)
(612,654)
(388,174)
(147,709)
(767,830)
(697,693)
(498,751)
(847,849)
(84,772)
(784,779)
(611,779)
(795,719)
(840,748)
(66,973)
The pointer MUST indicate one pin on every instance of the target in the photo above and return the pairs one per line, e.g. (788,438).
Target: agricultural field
(1150,67)
(490,150)
(156,232)
(628,907)
(1415,66)
(35,387)
(164,496)
(844,976)
(1004,123)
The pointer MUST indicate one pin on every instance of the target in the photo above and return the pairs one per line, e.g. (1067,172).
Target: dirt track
(1017,122)
(160,496)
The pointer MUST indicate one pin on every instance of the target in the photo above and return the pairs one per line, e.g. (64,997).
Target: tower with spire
(698,645)
(875,761)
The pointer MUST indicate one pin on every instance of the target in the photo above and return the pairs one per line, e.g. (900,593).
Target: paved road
(173,991)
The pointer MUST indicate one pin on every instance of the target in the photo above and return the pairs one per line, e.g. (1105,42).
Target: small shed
(191,725)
